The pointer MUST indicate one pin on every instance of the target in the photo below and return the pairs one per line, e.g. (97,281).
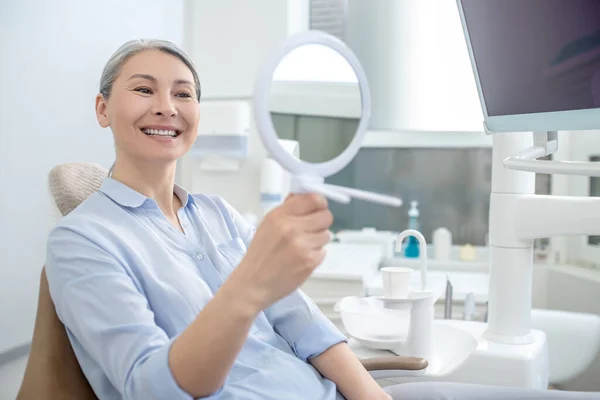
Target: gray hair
(129,49)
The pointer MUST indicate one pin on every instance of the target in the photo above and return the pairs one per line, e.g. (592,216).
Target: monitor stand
(518,216)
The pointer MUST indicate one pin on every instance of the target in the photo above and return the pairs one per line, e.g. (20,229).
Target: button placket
(183,218)
(209,272)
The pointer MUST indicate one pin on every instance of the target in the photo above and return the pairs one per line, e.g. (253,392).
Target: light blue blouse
(125,283)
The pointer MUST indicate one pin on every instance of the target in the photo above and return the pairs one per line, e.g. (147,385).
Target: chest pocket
(232,252)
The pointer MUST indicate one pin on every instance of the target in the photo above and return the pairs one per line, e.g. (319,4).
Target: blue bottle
(412,248)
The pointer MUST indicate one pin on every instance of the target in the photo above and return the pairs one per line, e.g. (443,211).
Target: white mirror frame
(310,177)
(262,112)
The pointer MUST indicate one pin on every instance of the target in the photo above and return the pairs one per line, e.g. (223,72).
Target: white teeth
(159,132)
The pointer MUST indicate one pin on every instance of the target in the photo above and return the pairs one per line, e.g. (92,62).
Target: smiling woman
(166,294)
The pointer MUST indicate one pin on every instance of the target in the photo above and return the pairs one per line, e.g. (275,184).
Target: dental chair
(52,370)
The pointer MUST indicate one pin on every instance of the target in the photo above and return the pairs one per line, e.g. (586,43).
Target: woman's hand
(286,248)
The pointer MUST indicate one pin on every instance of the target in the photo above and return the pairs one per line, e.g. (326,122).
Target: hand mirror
(313,85)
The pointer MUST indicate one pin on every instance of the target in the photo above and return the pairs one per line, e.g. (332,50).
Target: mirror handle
(341,194)
(322,189)
(367,196)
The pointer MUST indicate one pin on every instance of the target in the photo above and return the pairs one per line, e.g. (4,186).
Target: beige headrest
(70,184)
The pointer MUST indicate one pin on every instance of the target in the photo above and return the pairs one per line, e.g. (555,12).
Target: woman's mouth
(161,132)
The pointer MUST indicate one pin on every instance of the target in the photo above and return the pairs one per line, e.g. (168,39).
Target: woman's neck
(154,180)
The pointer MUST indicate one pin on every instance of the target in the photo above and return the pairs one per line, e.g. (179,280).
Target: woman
(167,295)
(145,276)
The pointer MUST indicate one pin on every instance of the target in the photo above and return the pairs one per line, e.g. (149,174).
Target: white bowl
(365,318)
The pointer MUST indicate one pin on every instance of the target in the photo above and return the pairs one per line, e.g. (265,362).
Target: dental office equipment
(367,320)
(520,97)
(448,300)
(536,105)
(398,303)
(485,317)
(423,255)
(419,339)
(412,246)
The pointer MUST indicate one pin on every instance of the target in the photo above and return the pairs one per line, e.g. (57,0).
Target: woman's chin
(164,157)
(169,148)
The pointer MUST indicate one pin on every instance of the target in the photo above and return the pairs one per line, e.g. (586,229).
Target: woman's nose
(164,106)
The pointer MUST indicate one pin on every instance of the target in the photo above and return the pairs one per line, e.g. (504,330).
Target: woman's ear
(101,111)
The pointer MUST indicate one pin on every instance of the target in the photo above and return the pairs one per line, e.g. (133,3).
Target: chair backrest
(70,184)
(53,371)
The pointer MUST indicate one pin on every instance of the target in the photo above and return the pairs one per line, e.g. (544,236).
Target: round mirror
(315,100)
(314,91)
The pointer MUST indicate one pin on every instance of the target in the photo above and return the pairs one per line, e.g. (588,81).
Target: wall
(416,59)
(228,41)
(52,57)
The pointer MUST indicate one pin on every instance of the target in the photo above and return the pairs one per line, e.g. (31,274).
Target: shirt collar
(127,197)
(185,197)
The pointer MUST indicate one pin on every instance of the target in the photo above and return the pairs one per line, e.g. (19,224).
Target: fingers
(315,258)
(316,241)
(316,222)
(303,204)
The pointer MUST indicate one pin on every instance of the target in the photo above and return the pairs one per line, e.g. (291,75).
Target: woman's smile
(162,133)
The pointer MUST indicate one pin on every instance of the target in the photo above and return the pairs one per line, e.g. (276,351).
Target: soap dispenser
(412,248)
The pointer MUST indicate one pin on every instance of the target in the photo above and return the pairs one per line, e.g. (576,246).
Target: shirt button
(199,256)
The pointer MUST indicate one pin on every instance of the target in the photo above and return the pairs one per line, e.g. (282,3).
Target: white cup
(396,282)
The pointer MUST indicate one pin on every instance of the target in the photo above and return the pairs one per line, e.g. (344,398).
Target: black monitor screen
(535,56)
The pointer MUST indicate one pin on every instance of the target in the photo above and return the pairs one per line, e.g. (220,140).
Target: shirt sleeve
(109,318)
(296,317)
(299,321)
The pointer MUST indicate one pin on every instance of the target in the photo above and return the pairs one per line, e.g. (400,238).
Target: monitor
(536,62)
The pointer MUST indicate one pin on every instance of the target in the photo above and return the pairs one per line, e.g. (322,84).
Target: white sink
(451,347)
(462,354)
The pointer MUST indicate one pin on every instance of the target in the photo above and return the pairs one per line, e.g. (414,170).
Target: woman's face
(152,109)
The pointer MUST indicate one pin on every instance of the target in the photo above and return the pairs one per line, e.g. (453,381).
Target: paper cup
(396,282)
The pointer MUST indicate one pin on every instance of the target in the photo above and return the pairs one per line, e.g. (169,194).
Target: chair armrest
(394,362)
(395,366)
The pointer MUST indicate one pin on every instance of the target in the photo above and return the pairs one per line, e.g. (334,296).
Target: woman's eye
(184,95)
(144,90)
